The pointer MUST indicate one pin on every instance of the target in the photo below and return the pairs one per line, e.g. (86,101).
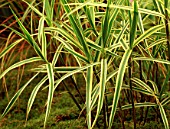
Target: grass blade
(29,38)
(147,33)
(11,46)
(119,82)
(77,29)
(134,24)
(163,115)
(75,71)
(26,61)
(102,88)
(88,94)
(138,105)
(142,84)
(152,59)
(33,95)
(51,90)
(56,55)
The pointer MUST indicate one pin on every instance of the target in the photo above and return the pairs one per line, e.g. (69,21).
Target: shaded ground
(64,113)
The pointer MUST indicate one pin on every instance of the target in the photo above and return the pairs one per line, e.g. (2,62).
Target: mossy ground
(64,113)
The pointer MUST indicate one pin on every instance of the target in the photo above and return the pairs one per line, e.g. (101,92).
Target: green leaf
(77,28)
(43,69)
(34,9)
(142,84)
(152,59)
(138,105)
(119,82)
(165,101)
(26,61)
(56,55)
(8,48)
(51,90)
(29,38)
(122,7)
(134,24)
(124,45)
(48,11)
(157,42)
(33,95)
(75,71)
(108,21)
(147,33)
(72,51)
(65,34)
(163,115)
(102,87)
(40,29)
(89,83)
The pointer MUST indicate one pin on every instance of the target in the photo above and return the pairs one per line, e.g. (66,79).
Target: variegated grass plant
(121,48)
(18,51)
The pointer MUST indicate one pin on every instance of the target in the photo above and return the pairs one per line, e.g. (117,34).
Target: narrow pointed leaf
(152,59)
(102,88)
(29,37)
(147,33)
(119,82)
(77,29)
(164,118)
(8,48)
(89,82)
(51,90)
(26,61)
(73,72)
(134,24)
(33,95)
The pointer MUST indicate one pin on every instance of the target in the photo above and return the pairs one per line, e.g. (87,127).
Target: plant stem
(147,110)
(121,117)
(76,86)
(131,92)
(104,114)
(74,83)
(142,96)
(167,27)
